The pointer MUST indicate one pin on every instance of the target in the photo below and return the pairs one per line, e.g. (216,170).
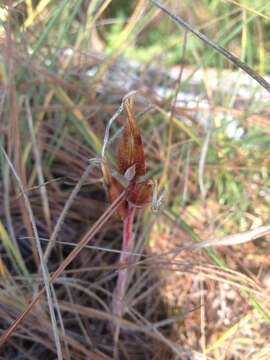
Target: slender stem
(124,258)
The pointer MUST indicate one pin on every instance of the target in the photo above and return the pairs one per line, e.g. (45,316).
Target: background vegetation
(65,66)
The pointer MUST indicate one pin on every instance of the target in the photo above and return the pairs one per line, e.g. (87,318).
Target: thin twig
(220,49)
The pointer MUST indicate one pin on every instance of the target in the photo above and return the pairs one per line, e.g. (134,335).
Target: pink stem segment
(124,258)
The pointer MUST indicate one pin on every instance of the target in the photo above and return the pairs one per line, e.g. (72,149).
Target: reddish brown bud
(130,150)
(130,163)
(139,194)
(115,188)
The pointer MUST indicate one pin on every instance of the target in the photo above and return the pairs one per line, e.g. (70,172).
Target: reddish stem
(124,258)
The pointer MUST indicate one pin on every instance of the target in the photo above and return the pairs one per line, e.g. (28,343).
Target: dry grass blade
(248,9)
(33,14)
(234,239)
(65,210)
(164,177)
(43,265)
(202,162)
(94,229)
(44,195)
(122,37)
